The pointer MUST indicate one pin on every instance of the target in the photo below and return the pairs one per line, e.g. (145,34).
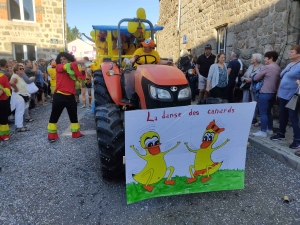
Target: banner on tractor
(188,149)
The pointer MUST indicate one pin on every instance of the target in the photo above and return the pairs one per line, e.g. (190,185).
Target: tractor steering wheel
(145,56)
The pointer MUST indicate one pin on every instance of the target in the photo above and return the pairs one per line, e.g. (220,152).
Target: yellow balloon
(137,34)
(115,33)
(92,33)
(141,13)
(132,26)
(143,26)
(147,34)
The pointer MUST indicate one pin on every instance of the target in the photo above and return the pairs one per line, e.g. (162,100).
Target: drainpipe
(178,25)
(63,24)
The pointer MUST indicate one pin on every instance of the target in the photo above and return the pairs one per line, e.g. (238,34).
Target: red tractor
(155,86)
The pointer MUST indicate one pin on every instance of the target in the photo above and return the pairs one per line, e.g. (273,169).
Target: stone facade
(50,23)
(253,26)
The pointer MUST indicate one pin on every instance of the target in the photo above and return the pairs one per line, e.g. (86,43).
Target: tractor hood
(162,74)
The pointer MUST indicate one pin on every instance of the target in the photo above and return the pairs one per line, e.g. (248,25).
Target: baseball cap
(148,43)
(208,46)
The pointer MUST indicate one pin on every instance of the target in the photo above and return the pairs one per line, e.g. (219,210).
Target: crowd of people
(263,82)
(16,101)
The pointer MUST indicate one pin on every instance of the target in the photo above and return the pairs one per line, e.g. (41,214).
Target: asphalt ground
(61,183)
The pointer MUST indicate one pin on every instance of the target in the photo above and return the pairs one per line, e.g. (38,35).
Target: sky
(84,14)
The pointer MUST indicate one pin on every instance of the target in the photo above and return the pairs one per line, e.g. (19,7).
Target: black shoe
(277,137)
(254,121)
(295,145)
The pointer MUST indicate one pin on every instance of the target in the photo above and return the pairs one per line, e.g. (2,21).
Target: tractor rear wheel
(101,94)
(111,140)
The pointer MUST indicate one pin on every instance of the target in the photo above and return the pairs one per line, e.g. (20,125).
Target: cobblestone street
(61,183)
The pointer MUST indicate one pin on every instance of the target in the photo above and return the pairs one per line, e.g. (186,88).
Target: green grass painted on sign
(221,180)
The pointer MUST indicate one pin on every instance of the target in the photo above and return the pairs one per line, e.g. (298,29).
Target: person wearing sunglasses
(20,97)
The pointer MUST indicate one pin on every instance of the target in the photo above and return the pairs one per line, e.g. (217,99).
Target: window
(24,51)
(222,39)
(22,10)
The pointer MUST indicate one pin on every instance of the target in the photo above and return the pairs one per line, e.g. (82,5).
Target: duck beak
(205,144)
(154,150)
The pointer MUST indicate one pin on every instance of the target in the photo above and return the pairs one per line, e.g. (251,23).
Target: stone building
(32,29)
(252,26)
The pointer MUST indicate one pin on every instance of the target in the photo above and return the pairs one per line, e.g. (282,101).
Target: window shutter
(39,11)
(3,10)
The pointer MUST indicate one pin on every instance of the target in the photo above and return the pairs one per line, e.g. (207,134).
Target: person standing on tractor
(144,55)
(67,73)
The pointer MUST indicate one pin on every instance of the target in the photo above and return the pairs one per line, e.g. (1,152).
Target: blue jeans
(265,104)
(284,115)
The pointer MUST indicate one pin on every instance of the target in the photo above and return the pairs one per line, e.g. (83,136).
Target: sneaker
(270,132)
(277,137)
(260,134)
(295,145)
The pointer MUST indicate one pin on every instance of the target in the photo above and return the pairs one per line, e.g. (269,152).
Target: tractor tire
(101,93)
(111,140)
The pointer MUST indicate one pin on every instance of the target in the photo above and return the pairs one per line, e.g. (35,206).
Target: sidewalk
(277,149)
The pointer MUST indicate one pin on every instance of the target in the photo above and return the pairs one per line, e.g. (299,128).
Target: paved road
(60,183)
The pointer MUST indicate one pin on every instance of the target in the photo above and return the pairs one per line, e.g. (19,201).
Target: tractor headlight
(158,93)
(184,93)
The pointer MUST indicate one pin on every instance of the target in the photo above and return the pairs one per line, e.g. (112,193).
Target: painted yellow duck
(203,164)
(156,166)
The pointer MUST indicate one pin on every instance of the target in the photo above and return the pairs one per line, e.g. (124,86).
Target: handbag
(293,102)
(246,86)
(32,88)
(26,98)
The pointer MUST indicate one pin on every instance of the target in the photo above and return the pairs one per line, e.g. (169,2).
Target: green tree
(72,33)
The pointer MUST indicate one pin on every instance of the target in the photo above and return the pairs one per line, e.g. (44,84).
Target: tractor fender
(112,82)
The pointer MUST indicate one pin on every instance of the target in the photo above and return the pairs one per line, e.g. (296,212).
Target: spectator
(267,94)
(4,106)
(233,70)
(40,95)
(287,88)
(4,68)
(46,87)
(217,79)
(202,67)
(20,96)
(31,70)
(52,73)
(27,80)
(192,78)
(249,94)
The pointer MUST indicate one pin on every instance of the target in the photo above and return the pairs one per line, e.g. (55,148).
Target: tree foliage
(72,33)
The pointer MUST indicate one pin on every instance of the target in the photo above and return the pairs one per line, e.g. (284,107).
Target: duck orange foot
(190,180)
(170,182)
(204,179)
(148,188)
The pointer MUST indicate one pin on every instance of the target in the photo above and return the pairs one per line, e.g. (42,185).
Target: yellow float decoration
(147,35)
(141,13)
(132,26)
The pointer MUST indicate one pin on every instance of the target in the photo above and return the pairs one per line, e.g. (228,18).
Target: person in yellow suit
(138,59)
(52,73)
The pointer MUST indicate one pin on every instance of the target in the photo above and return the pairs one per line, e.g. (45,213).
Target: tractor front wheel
(101,93)
(111,140)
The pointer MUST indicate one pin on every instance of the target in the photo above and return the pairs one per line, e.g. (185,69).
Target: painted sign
(189,149)
(53,41)
(185,39)
(73,48)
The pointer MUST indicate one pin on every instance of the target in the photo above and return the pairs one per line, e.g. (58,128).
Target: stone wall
(253,26)
(50,24)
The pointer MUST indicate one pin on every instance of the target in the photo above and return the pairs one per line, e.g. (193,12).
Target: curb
(275,152)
